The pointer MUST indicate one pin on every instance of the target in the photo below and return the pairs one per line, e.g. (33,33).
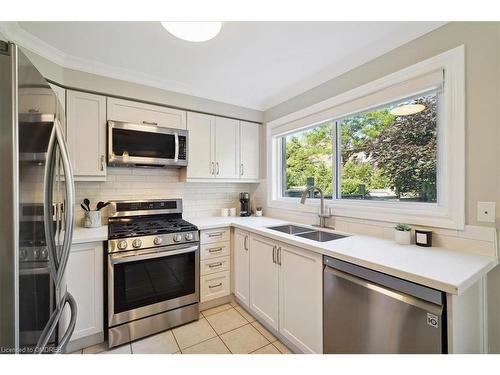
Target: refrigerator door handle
(71,325)
(54,321)
(58,265)
(69,209)
(50,235)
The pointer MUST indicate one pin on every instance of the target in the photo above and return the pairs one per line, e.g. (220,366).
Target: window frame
(449,211)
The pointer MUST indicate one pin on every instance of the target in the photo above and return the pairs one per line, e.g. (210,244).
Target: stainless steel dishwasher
(365,311)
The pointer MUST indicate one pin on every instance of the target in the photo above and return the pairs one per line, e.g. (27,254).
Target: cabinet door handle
(274,254)
(217,165)
(215,265)
(242,169)
(102,163)
(278,255)
(212,169)
(215,250)
(149,123)
(215,286)
(245,243)
(216,234)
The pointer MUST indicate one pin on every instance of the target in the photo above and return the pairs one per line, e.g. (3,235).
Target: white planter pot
(402,237)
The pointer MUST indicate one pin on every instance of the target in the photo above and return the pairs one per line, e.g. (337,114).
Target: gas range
(158,223)
(152,269)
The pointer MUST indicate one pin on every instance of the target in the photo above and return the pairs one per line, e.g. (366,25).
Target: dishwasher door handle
(417,302)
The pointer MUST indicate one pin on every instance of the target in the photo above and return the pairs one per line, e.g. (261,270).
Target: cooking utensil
(87,203)
(84,208)
(101,205)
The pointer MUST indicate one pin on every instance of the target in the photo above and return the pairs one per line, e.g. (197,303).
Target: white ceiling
(251,64)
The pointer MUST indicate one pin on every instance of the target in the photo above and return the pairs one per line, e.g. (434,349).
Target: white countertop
(81,235)
(447,270)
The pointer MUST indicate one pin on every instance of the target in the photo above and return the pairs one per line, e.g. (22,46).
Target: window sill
(426,214)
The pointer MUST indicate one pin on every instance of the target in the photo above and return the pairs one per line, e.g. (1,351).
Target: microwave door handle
(176,154)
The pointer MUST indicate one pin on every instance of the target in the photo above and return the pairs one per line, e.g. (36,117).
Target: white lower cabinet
(286,291)
(214,286)
(242,266)
(84,278)
(264,279)
(215,263)
(301,298)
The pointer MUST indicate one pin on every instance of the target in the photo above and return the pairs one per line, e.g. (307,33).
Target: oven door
(147,282)
(139,144)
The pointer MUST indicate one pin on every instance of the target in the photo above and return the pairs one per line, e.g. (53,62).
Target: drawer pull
(215,250)
(215,286)
(149,123)
(215,265)
(218,234)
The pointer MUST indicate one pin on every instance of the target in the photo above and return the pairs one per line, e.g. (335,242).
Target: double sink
(305,232)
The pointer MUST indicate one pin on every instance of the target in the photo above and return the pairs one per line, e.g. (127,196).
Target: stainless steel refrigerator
(36,211)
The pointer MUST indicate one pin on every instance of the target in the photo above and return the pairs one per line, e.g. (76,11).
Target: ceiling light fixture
(193,31)
(407,109)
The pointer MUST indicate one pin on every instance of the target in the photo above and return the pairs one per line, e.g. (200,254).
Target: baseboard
(85,342)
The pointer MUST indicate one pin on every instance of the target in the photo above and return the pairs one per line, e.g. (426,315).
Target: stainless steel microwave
(146,145)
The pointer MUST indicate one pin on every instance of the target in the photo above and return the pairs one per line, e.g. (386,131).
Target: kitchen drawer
(141,113)
(215,235)
(215,250)
(210,266)
(214,286)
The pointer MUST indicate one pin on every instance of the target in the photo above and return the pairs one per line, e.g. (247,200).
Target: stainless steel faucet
(322,214)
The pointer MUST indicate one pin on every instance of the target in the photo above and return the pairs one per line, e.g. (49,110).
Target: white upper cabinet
(226,148)
(249,150)
(201,147)
(86,134)
(242,266)
(141,113)
(222,149)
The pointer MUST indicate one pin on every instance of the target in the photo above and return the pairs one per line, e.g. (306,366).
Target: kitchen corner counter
(83,235)
(448,270)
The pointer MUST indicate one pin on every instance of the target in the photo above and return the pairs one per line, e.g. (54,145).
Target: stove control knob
(189,236)
(137,243)
(44,254)
(122,245)
(158,241)
(36,253)
(177,237)
(22,253)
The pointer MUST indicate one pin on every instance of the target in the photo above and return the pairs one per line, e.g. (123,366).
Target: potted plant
(402,234)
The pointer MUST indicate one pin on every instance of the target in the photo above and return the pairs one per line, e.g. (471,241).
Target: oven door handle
(151,255)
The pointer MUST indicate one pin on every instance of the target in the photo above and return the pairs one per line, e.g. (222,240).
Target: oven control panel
(144,242)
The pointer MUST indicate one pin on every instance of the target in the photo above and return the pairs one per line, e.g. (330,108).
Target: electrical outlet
(486,212)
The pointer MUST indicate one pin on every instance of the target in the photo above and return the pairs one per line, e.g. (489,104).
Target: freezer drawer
(361,316)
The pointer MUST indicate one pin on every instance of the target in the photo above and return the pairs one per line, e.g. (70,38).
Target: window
(386,156)
(307,160)
(380,155)
(390,150)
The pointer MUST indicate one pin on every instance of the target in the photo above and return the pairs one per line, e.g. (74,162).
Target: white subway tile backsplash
(199,199)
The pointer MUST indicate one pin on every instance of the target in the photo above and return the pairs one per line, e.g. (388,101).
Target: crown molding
(16,34)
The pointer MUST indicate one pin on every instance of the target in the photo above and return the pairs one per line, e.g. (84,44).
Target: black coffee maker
(245,204)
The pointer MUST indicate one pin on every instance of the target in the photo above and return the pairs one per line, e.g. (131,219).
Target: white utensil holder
(92,219)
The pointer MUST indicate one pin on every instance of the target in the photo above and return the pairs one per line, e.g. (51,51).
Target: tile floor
(223,329)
